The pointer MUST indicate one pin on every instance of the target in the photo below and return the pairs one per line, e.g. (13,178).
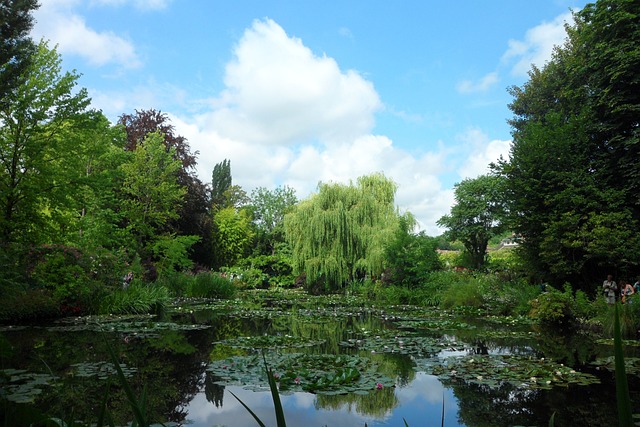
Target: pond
(339,361)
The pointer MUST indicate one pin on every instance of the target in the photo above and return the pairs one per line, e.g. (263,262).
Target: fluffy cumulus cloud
(537,46)
(57,22)
(290,117)
(279,92)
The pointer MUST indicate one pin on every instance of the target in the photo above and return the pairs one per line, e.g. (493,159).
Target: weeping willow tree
(339,234)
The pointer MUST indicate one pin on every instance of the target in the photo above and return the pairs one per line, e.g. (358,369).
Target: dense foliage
(338,235)
(572,177)
(477,216)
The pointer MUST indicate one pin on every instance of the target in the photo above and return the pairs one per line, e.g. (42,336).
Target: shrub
(275,270)
(138,298)
(437,283)
(464,294)
(21,304)
(506,297)
(554,308)
(208,285)
(59,269)
(178,284)
(629,315)
(247,278)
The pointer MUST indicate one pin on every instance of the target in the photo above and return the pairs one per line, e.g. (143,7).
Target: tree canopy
(572,177)
(476,216)
(16,48)
(338,235)
(36,148)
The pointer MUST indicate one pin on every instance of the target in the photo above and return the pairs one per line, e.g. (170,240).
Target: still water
(339,362)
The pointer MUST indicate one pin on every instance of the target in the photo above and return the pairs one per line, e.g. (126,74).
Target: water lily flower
(379,386)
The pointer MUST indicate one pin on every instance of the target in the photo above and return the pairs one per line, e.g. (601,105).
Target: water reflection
(420,403)
(171,362)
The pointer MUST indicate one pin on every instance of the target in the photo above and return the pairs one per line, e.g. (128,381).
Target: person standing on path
(610,287)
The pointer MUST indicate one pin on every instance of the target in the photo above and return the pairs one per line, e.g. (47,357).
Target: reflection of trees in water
(212,391)
(482,406)
(378,403)
(398,366)
(572,349)
(331,330)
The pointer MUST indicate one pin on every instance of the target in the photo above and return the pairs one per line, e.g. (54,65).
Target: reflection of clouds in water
(420,400)
(299,409)
(303,400)
(424,387)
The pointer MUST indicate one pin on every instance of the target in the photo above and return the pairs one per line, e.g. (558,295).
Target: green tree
(16,47)
(36,157)
(194,217)
(153,197)
(269,208)
(338,234)
(92,209)
(235,235)
(220,184)
(476,216)
(572,178)
(410,257)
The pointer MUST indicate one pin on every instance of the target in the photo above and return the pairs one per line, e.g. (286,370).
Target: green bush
(247,278)
(629,316)
(59,269)
(506,297)
(211,285)
(265,270)
(390,294)
(178,284)
(20,304)
(464,294)
(437,283)
(554,308)
(138,298)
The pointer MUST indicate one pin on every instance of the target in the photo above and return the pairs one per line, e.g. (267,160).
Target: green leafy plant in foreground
(273,387)
(625,418)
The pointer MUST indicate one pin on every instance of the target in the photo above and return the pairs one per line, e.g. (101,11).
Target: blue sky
(297,92)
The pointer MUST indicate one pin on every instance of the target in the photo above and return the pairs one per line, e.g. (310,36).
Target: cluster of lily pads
(494,370)
(417,346)
(270,341)
(100,370)
(322,374)
(21,386)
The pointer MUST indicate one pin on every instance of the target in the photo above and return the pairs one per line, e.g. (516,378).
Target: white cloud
(56,21)
(139,4)
(289,117)
(481,152)
(279,92)
(482,85)
(537,46)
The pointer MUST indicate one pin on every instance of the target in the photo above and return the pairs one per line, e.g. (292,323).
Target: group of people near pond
(613,291)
